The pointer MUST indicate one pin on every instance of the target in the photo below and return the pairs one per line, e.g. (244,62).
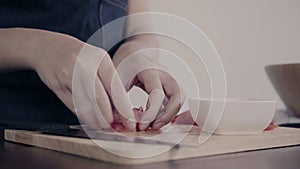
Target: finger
(137,113)
(151,80)
(96,115)
(174,103)
(171,110)
(66,97)
(114,87)
(104,105)
(154,101)
(87,89)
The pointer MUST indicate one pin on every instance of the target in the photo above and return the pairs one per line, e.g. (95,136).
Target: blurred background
(248,34)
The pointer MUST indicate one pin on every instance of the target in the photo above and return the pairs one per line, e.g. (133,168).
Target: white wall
(248,34)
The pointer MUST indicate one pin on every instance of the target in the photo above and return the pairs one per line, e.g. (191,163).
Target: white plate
(240,116)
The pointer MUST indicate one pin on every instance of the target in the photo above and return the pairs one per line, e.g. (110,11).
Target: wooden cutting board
(214,146)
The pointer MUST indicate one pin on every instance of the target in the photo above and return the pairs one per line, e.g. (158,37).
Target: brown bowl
(286,80)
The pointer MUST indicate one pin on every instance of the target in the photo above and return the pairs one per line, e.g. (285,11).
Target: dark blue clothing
(23,96)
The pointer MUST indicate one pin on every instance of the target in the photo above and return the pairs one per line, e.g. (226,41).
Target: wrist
(46,45)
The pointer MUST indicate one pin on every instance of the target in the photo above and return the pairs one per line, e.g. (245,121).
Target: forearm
(134,26)
(18,46)
(139,23)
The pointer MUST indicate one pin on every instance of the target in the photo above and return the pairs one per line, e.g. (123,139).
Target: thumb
(152,85)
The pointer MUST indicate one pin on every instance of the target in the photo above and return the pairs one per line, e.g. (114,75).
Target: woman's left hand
(165,95)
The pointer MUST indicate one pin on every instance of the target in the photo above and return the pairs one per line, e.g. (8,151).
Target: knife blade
(107,137)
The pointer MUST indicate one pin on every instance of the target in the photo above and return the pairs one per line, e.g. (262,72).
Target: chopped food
(271,126)
(117,124)
(184,118)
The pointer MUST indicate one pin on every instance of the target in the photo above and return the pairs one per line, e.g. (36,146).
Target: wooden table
(21,156)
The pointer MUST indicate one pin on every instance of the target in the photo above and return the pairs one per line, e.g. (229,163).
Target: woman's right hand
(54,60)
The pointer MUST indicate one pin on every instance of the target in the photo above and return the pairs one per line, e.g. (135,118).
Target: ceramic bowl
(286,80)
(240,116)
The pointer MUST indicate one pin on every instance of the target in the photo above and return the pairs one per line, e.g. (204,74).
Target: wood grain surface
(216,145)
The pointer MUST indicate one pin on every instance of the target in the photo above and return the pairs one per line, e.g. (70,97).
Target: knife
(100,135)
(65,130)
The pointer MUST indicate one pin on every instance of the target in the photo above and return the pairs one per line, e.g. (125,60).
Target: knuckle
(56,87)
(103,52)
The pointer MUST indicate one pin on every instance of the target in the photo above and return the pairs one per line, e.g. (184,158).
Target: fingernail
(130,125)
(158,125)
(144,126)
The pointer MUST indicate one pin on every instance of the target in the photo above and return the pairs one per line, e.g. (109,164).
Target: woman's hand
(54,60)
(165,96)
(151,80)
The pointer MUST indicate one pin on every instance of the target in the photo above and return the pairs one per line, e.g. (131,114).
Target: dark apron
(23,96)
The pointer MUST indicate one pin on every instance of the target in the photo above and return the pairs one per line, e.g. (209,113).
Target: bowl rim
(234,100)
(281,64)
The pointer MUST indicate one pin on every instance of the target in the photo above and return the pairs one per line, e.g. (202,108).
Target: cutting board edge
(12,135)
